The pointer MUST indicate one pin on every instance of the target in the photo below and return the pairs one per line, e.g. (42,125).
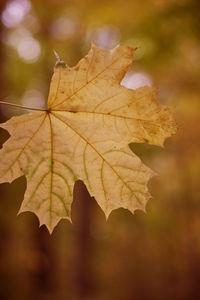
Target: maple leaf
(84,134)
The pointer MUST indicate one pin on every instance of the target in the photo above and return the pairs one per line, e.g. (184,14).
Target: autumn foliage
(85,134)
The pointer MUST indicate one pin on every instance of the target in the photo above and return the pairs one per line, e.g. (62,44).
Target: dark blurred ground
(153,256)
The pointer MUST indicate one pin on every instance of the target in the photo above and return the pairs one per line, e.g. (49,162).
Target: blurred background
(152,256)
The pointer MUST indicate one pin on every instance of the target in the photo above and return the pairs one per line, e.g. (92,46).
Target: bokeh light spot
(134,80)
(29,49)
(63,28)
(15,36)
(105,37)
(15,12)
(33,98)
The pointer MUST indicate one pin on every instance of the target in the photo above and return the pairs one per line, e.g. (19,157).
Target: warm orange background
(154,256)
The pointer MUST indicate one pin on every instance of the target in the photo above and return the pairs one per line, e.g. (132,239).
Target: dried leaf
(84,135)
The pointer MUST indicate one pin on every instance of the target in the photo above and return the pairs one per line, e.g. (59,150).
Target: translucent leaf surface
(84,134)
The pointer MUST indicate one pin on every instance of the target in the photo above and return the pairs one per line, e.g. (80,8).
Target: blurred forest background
(152,256)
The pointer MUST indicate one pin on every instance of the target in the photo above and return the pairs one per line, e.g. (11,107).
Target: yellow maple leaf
(84,134)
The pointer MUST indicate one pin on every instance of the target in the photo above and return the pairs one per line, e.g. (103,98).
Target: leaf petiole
(21,106)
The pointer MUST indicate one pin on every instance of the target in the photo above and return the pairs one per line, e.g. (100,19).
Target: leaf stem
(21,106)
